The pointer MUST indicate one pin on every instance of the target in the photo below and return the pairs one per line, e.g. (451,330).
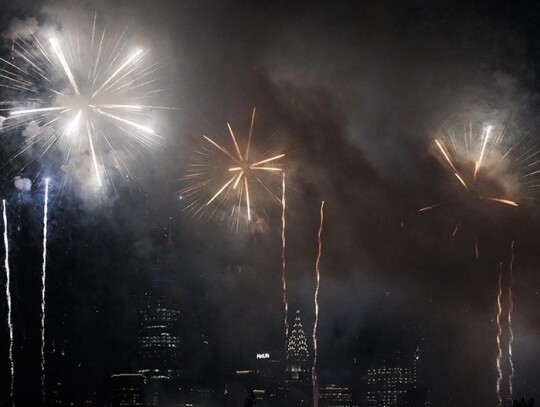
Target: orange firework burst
(232,184)
(489,166)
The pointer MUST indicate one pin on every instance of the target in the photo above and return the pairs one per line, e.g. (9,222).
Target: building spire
(297,344)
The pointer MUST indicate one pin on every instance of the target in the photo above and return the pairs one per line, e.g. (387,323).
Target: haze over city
(237,203)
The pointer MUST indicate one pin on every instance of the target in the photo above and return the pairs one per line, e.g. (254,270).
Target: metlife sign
(263,356)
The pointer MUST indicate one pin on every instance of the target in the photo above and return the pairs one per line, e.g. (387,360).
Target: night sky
(354,93)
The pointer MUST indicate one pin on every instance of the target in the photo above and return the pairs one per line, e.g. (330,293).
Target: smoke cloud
(22,28)
(355,90)
(31,130)
(22,184)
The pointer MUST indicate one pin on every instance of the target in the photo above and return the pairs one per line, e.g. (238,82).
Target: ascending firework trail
(283,258)
(499,335)
(500,322)
(43,286)
(8,298)
(316,300)
(510,327)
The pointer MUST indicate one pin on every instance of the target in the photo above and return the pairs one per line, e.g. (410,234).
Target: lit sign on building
(263,356)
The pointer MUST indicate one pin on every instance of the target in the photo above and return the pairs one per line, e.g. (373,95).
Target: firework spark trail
(499,335)
(63,62)
(43,286)
(444,152)
(510,327)
(283,258)
(8,297)
(316,300)
(487,133)
(500,200)
(93,151)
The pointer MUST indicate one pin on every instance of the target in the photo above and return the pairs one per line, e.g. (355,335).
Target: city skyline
(376,169)
(276,378)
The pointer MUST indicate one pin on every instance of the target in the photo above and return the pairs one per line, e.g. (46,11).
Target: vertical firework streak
(283,258)
(8,297)
(316,300)
(499,335)
(43,287)
(510,328)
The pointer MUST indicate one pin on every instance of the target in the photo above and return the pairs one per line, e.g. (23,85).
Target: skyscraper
(297,350)
(386,386)
(159,338)
(334,395)
(159,344)
(397,385)
(297,373)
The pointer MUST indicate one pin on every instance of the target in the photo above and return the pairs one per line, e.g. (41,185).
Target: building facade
(158,343)
(387,386)
(297,371)
(334,395)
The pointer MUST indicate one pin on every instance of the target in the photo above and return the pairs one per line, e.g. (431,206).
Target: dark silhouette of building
(159,344)
(263,384)
(387,385)
(297,372)
(396,386)
(524,403)
(127,390)
(270,378)
(334,395)
(240,388)
(416,394)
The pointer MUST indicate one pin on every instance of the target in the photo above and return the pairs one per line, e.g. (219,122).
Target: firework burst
(489,167)
(88,94)
(232,184)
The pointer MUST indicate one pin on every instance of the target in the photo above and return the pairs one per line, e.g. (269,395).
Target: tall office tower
(387,386)
(298,373)
(334,395)
(159,344)
(159,338)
